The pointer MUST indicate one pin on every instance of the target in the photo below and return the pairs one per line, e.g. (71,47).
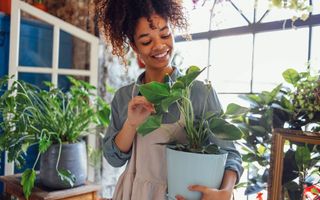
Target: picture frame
(279,137)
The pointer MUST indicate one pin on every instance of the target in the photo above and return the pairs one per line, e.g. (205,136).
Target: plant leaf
(224,130)
(165,103)
(178,85)
(66,176)
(258,130)
(27,181)
(191,74)
(211,149)
(303,157)
(155,91)
(235,109)
(291,76)
(44,143)
(152,123)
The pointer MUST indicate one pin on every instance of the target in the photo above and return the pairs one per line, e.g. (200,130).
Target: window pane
(226,99)
(64,83)
(315,7)
(231,63)
(275,52)
(192,53)
(315,48)
(74,53)
(35,79)
(35,47)
(199,16)
(261,8)
(226,16)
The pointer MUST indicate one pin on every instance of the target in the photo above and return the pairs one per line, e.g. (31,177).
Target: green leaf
(277,3)
(291,76)
(66,176)
(165,103)
(235,109)
(152,123)
(224,130)
(155,91)
(44,143)
(191,74)
(258,130)
(211,149)
(192,69)
(27,182)
(303,157)
(178,85)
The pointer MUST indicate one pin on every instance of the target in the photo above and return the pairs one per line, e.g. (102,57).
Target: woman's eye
(166,36)
(146,43)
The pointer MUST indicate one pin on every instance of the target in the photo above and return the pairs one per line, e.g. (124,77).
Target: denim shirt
(199,92)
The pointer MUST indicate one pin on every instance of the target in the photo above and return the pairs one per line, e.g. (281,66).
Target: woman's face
(153,42)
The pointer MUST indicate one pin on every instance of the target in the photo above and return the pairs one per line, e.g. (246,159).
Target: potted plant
(292,105)
(55,120)
(201,157)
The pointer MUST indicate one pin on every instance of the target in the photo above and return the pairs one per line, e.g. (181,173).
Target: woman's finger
(179,197)
(199,188)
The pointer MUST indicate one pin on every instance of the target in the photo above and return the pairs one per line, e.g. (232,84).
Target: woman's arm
(138,111)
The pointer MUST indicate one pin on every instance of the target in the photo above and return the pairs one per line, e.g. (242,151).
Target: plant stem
(35,163)
(59,154)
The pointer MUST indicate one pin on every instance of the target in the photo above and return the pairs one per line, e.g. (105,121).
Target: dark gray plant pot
(73,157)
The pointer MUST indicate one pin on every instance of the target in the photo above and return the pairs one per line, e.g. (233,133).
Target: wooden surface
(84,192)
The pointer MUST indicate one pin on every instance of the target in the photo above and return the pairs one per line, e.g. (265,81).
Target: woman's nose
(159,45)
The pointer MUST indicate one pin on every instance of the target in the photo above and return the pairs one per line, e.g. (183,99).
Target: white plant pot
(185,169)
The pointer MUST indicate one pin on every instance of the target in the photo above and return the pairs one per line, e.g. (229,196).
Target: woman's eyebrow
(147,34)
(164,28)
(143,35)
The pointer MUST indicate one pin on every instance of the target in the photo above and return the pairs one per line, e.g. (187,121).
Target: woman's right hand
(139,109)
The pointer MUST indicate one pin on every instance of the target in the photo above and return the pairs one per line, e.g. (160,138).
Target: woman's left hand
(209,193)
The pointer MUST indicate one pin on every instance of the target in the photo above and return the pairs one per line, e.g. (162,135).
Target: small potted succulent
(201,157)
(56,121)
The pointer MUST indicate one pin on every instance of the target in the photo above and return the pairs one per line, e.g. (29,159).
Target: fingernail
(190,187)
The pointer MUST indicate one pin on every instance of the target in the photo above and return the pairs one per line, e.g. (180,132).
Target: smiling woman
(147,27)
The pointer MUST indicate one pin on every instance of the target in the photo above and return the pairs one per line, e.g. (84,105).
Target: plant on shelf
(55,120)
(197,128)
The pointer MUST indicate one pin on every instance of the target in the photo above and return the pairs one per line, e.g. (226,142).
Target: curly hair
(117,19)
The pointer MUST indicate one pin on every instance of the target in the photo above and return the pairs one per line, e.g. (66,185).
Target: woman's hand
(209,193)
(139,110)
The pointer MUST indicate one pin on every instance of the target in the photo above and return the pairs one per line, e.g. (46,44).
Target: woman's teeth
(161,55)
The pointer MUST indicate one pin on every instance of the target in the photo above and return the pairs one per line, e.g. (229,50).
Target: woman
(146,25)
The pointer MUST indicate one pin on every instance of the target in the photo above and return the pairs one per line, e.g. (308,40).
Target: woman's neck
(157,74)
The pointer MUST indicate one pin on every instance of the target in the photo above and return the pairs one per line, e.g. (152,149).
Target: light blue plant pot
(185,169)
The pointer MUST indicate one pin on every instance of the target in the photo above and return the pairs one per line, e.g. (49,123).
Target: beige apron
(145,177)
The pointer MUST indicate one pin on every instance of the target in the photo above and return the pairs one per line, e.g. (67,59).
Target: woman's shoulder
(124,93)
(199,87)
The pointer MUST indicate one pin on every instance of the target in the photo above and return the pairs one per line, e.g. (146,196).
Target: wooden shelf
(13,188)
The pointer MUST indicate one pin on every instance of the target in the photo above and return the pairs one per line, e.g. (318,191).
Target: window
(275,52)
(231,63)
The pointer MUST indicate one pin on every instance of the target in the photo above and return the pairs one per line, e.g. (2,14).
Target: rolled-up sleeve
(111,152)
(234,161)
